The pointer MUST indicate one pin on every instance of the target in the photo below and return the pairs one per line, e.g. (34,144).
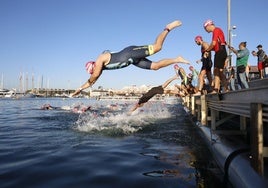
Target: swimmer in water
(135,55)
(76,109)
(81,108)
(47,107)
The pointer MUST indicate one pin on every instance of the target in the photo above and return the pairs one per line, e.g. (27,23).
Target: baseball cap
(208,22)
(259,46)
(90,67)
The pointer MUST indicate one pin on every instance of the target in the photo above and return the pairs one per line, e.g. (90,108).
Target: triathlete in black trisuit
(154,91)
(135,55)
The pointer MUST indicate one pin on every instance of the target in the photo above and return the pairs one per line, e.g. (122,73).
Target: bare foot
(182,60)
(173,24)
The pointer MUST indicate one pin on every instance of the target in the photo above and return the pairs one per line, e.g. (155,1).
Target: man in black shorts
(154,91)
(218,45)
(206,64)
(135,55)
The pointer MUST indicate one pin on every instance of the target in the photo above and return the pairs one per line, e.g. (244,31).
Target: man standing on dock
(241,63)
(218,45)
(261,57)
(206,64)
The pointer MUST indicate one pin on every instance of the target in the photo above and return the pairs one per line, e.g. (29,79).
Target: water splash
(119,121)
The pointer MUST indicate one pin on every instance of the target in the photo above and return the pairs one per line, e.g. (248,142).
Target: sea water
(156,146)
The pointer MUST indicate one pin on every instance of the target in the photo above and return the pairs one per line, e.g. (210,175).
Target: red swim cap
(198,38)
(90,66)
(176,66)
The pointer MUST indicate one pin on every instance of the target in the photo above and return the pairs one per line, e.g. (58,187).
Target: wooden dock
(247,107)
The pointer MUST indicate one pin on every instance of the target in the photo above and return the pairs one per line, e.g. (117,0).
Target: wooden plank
(230,132)
(213,119)
(198,108)
(240,112)
(256,95)
(256,137)
(265,151)
(223,120)
(193,105)
(204,111)
(258,83)
(243,123)
(188,102)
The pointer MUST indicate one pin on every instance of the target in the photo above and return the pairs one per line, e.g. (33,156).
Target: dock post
(204,110)
(243,123)
(188,102)
(213,119)
(193,105)
(256,137)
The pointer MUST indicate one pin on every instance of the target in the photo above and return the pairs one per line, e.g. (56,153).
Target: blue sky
(54,39)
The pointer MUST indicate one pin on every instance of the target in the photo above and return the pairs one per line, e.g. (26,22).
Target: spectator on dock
(206,64)
(136,55)
(218,45)
(231,78)
(241,63)
(260,54)
(265,66)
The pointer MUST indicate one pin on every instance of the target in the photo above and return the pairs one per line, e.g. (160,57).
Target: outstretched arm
(232,49)
(93,78)
(89,83)
(135,107)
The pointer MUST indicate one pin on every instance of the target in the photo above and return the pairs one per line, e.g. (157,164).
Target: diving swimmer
(135,55)
(154,91)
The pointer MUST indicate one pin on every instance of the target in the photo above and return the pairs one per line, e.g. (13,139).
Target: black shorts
(220,58)
(135,55)
(152,92)
(207,64)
